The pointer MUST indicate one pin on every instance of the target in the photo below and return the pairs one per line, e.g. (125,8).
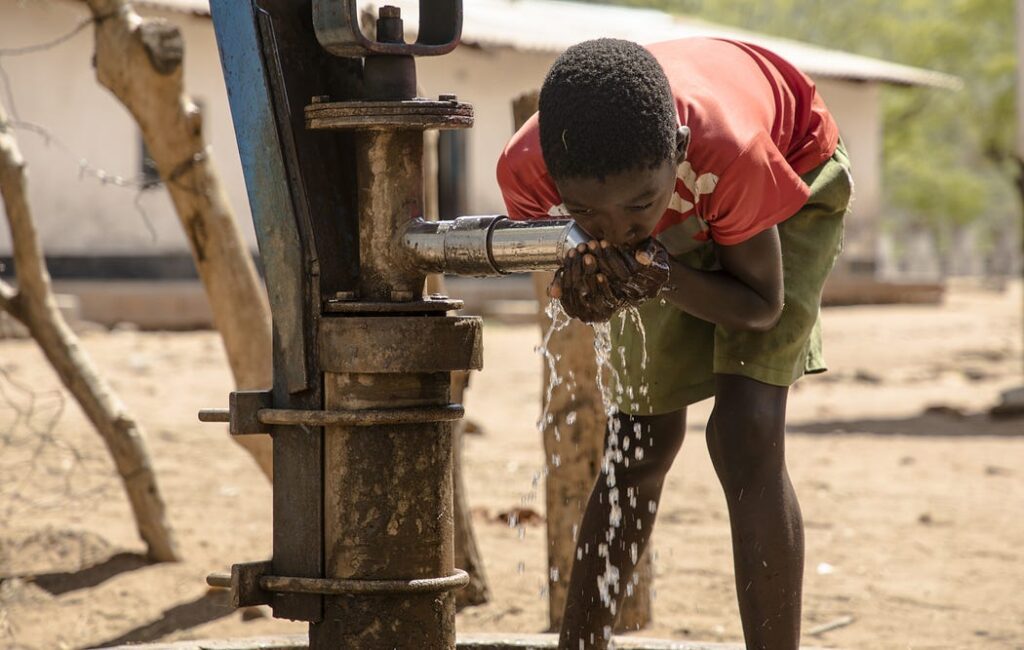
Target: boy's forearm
(720,298)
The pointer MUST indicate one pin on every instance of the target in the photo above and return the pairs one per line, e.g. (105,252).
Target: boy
(710,175)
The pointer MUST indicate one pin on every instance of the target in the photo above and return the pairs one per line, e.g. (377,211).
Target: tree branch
(140,62)
(37,309)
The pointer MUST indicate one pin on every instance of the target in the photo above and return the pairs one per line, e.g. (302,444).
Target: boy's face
(624,208)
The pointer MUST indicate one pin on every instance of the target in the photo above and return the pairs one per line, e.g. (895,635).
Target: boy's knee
(646,447)
(745,443)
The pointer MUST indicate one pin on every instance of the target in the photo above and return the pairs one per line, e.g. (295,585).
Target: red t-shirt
(756,124)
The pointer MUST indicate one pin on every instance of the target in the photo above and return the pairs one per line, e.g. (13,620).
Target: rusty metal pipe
(489,245)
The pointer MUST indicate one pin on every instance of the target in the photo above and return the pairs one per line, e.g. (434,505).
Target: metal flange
(405,114)
(375,345)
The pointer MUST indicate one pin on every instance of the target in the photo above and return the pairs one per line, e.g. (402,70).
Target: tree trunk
(34,305)
(140,62)
(574,439)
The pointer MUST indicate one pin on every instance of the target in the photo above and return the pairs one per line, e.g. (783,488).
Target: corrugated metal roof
(199,7)
(553,25)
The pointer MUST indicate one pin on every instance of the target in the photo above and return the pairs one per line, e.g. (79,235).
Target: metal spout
(490,245)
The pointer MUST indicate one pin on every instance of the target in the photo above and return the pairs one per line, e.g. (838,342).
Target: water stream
(613,389)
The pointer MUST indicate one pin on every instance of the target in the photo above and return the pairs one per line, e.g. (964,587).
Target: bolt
(447,97)
(401,295)
(321,99)
(389,11)
(346,296)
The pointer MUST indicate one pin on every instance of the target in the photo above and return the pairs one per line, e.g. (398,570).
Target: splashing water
(614,389)
(616,450)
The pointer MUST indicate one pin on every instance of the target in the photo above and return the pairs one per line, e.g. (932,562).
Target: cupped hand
(634,275)
(585,291)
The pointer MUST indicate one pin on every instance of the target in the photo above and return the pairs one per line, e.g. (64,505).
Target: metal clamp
(337,25)
(251,584)
(244,422)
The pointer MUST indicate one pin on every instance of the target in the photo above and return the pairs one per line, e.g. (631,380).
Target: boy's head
(611,137)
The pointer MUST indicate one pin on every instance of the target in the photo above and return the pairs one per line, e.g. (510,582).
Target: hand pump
(330,133)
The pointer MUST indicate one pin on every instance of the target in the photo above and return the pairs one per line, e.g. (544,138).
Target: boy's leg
(617,523)
(745,438)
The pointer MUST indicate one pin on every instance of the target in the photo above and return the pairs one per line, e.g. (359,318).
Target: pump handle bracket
(337,25)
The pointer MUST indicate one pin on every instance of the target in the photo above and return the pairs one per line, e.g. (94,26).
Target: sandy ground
(914,517)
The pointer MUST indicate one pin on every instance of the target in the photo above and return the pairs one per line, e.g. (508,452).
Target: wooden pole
(574,446)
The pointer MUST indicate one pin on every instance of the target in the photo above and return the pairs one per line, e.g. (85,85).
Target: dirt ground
(913,498)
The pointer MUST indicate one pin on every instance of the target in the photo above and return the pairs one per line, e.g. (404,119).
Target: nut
(389,11)
(448,97)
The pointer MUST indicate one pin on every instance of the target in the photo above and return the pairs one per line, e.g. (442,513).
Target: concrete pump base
(466,642)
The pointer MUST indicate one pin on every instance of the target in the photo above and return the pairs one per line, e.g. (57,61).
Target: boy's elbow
(764,319)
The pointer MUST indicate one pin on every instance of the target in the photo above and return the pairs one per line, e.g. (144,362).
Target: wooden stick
(842,621)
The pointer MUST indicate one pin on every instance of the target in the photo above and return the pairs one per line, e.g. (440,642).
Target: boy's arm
(746,295)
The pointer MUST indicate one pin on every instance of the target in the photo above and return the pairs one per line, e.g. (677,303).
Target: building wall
(857,108)
(57,89)
(78,215)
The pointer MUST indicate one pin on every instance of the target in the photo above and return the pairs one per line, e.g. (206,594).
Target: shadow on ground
(209,607)
(930,423)
(66,581)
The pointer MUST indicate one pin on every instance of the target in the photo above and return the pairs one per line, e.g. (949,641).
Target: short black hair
(606,107)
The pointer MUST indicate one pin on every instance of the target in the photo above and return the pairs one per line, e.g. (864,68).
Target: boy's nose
(621,234)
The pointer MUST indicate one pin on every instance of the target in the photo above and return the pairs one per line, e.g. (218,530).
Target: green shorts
(676,364)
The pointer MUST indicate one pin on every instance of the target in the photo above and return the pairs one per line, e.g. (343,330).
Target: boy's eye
(639,208)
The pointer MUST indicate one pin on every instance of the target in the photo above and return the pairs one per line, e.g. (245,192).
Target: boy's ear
(682,143)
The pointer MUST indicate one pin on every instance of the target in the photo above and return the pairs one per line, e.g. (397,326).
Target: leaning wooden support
(140,62)
(33,304)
